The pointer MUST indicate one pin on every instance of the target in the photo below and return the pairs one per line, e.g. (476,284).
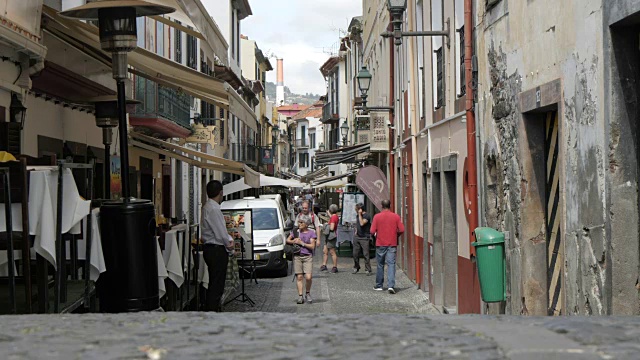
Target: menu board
(240,228)
(349,201)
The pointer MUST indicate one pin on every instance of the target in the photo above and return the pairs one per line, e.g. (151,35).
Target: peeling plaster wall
(523,45)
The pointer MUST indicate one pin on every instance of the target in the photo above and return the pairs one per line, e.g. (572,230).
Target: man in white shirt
(315,223)
(218,244)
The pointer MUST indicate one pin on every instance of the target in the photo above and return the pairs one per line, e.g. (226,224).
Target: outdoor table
(43,196)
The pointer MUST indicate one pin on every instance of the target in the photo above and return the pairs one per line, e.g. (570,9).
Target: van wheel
(284,272)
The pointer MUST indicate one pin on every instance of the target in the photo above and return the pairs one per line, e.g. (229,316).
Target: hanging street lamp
(364,83)
(344,130)
(321,147)
(17,111)
(396,10)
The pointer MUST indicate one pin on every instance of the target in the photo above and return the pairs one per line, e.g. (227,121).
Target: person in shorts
(331,240)
(303,261)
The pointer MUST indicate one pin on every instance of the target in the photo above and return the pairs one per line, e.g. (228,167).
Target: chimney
(280,73)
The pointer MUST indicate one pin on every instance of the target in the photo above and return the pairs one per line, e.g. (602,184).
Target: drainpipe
(392,173)
(471,170)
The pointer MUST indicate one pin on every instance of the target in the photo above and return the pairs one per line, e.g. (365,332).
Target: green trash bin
(491,260)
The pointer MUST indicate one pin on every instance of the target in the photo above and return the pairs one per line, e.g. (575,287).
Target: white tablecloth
(43,196)
(162,271)
(173,256)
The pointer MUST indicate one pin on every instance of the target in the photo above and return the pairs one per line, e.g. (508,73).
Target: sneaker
(300,300)
(308,299)
(355,270)
(323,268)
(376,288)
(369,273)
(392,291)
(334,270)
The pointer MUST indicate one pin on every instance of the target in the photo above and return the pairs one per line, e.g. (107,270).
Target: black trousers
(216,258)
(361,243)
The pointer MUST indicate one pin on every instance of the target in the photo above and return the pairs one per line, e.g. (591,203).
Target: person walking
(218,245)
(386,226)
(303,261)
(362,239)
(331,239)
(315,223)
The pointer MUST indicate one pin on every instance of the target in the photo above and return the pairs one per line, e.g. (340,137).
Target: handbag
(328,233)
(291,250)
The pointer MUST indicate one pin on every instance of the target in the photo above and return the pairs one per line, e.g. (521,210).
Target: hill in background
(306,99)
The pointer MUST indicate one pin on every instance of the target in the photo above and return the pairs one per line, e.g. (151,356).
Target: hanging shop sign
(373,182)
(203,135)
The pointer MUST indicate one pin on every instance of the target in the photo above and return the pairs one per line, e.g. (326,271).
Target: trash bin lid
(486,235)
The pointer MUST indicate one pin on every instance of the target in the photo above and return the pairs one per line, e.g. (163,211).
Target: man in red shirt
(386,226)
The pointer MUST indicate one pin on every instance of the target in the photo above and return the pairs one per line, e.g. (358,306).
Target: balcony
(301,144)
(249,154)
(328,113)
(163,109)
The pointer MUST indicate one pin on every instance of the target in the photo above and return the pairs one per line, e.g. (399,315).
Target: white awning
(190,156)
(239,185)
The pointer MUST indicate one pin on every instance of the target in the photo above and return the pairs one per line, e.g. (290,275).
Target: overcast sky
(302,32)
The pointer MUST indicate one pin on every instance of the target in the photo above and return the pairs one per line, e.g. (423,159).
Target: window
(312,140)
(140,29)
(233,33)
(439,78)
(159,38)
(192,52)
(265,218)
(463,85)
(303,160)
(178,45)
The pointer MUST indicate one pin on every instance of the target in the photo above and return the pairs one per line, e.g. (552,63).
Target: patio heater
(107,118)
(127,225)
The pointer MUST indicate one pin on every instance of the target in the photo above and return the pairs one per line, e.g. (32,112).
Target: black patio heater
(127,226)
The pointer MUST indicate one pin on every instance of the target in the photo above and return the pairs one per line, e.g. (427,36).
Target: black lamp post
(127,227)
(397,9)
(17,111)
(364,83)
(344,130)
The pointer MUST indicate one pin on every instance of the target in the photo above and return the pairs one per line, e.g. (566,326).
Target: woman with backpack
(303,260)
(330,239)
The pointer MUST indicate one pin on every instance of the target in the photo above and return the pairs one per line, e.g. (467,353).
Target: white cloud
(299,31)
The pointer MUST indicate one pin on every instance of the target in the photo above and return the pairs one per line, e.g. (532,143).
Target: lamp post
(344,130)
(17,111)
(118,35)
(364,83)
(396,10)
(127,227)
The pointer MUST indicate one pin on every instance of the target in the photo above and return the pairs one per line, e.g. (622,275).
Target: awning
(205,161)
(291,175)
(343,155)
(328,179)
(316,174)
(239,185)
(166,72)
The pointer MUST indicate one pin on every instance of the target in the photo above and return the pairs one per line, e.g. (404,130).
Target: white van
(271,227)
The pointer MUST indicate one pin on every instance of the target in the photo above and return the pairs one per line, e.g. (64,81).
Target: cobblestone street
(341,293)
(348,319)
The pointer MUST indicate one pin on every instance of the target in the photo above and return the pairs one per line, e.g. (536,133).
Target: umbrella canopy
(265,180)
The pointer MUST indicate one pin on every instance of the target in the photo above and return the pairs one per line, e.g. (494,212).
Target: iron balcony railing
(161,101)
(302,143)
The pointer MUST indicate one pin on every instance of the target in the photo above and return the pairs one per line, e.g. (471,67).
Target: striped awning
(344,155)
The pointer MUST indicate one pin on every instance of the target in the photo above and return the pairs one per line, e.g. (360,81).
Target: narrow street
(341,293)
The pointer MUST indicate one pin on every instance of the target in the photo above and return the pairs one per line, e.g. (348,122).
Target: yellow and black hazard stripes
(554,247)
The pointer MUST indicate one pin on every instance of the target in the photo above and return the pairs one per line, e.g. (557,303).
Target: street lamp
(321,147)
(17,111)
(118,35)
(344,130)
(275,131)
(364,82)
(396,10)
